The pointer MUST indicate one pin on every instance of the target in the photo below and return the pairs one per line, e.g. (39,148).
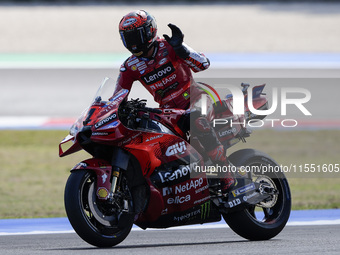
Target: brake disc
(106,220)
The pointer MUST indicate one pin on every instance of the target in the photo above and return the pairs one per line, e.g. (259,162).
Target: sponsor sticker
(132,62)
(129,22)
(187,216)
(153,138)
(234,202)
(179,199)
(246,198)
(165,53)
(104,177)
(142,68)
(140,64)
(106,120)
(205,210)
(119,95)
(177,175)
(186,95)
(111,125)
(243,189)
(99,134)
(162,61)
(192,184)
(158,74)
(227,132)
(178,148)
(102,193)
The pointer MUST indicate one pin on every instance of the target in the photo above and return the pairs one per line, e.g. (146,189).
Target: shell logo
(102,193)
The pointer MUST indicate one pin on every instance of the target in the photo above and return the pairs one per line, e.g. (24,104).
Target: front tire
(251,223)
(96,221)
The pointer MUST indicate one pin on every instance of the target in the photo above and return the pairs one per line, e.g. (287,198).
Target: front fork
(120,161)
(114,181)
(116,191)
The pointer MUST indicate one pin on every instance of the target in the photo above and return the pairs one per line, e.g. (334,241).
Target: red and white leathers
(169,79)
(165,75)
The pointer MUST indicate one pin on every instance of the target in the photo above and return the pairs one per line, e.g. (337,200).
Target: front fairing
(103,119)
(101,106)
(100,122)
(100,117)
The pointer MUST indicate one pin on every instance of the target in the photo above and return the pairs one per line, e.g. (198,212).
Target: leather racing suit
(169,79)
(165,75)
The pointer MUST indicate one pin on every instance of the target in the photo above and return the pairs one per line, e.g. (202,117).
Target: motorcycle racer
(164,66)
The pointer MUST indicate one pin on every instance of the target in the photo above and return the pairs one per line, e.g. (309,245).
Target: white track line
(190,227)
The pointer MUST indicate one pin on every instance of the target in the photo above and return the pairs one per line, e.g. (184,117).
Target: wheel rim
(100,216)
(269,212)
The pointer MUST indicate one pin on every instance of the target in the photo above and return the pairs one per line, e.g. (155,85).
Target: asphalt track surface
(65,92)
(292,240)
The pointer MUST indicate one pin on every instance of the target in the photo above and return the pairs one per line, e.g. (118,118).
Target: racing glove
(176,41)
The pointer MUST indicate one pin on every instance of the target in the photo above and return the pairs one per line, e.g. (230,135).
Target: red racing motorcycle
(144,171)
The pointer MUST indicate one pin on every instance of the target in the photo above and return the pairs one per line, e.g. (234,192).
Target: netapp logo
(158,74)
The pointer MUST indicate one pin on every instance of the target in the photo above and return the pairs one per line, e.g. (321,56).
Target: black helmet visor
(134,40)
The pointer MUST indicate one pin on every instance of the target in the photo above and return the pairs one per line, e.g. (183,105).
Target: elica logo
(158,74)
(178,148)
(178,199)
(238,102)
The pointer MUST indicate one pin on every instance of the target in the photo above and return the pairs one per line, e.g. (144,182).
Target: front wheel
(266,219)
(98,222)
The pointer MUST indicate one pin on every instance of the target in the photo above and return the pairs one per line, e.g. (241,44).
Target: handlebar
(147,109)
(139,105)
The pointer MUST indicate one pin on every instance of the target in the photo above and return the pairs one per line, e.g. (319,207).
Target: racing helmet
(138,31)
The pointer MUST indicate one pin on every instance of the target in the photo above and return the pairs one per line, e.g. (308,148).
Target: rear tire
(97,222)
(250,224)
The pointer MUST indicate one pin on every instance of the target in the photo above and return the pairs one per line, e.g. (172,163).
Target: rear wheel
(266,219)
(98,222)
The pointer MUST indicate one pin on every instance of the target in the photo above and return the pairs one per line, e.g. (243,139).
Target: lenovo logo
(158,74)
(106,120)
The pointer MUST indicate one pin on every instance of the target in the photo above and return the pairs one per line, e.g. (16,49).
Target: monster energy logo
(205,210)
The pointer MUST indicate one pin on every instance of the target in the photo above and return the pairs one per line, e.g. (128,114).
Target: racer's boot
(226,177)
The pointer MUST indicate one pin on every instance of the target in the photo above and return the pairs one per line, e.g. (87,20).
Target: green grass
(309,190)
(33,177)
